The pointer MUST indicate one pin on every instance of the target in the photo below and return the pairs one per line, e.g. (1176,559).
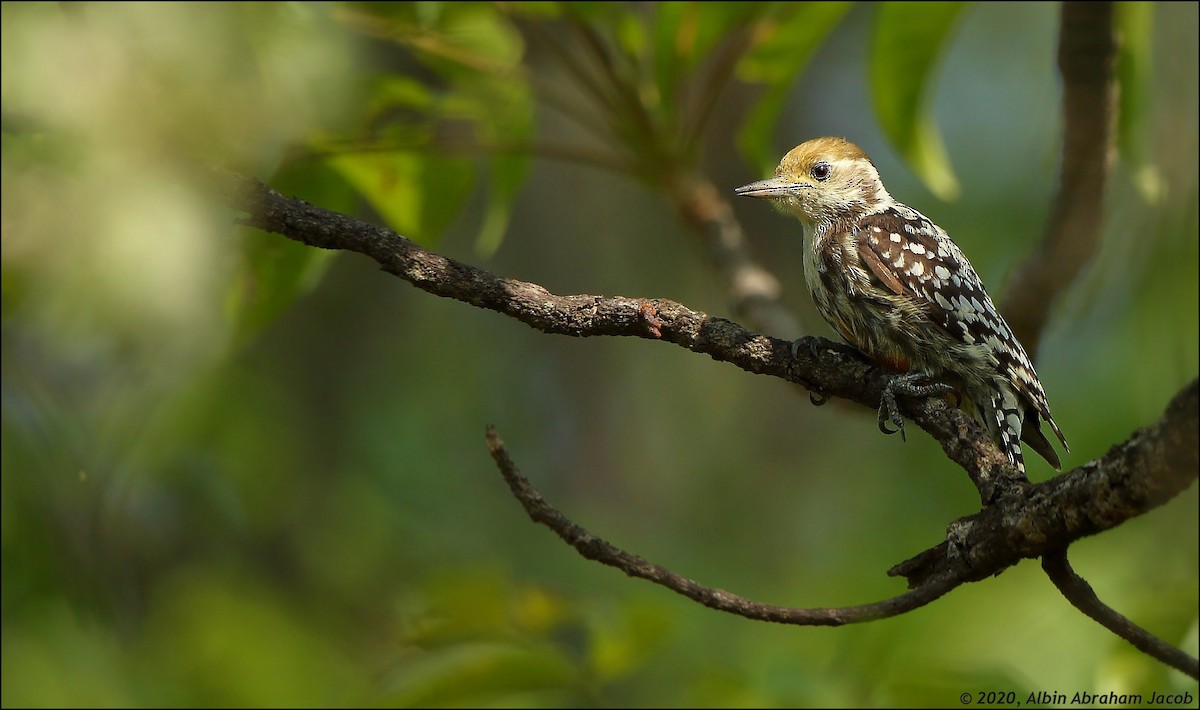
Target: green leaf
(785,44)
(786,39)
(684,32)
(481,31)
(908,40)
(417,194)
(483,105)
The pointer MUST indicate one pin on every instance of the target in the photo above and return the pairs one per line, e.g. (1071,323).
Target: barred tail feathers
(1004,421)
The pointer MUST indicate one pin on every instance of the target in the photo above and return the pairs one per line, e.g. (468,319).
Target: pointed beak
(771,187)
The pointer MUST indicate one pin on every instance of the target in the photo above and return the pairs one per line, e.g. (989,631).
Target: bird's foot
(908,385)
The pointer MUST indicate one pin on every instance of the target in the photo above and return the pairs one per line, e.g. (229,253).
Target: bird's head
(822,180)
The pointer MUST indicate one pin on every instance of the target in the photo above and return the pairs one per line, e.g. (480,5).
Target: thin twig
(574,68)
(598,550)
(437,45)
(625,87)
(716,81)
(1083,597)
(579,114)
(406,34)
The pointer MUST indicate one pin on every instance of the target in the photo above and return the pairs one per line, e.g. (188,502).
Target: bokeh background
(240,472)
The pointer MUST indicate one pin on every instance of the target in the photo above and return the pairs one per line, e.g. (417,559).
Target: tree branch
(822,367)
(1153,465)
(1083,597)
(1087,55)
(598,550)
(977,548)
(1020,520)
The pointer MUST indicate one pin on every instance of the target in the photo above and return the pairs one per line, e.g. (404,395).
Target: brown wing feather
(873,261)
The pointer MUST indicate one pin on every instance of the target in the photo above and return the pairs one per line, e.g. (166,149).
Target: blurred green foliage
(908,41)
(240,471)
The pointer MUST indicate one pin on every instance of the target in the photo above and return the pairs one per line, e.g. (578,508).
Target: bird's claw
(908,385)
(889,411)
(806,341)
(815,345)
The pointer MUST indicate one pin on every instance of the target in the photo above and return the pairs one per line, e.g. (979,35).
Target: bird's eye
(821,171)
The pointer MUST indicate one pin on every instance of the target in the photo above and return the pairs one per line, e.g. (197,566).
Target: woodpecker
(896,288)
